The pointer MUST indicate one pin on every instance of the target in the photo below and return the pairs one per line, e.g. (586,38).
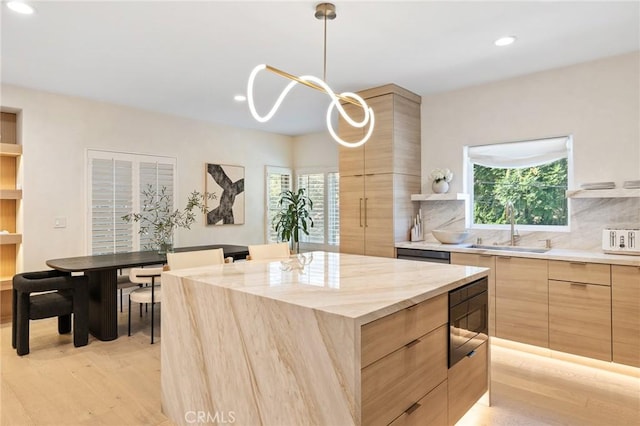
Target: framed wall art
(227,182)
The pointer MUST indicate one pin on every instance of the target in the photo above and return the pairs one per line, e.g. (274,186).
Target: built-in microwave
(468,319)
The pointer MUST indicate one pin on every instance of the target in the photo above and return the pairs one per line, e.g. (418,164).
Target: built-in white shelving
(603,193)
(440,197)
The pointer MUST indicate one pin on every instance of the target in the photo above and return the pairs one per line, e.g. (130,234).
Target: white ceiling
(190,58)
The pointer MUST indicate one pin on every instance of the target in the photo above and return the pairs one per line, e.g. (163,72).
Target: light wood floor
(118,383)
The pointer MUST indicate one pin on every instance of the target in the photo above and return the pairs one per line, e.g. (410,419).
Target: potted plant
(159,220)
(294,216)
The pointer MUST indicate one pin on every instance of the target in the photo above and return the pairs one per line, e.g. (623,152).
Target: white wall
(598,102)
(315,150)
(57,131)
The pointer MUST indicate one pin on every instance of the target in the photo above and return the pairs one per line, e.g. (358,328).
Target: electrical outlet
(60,222)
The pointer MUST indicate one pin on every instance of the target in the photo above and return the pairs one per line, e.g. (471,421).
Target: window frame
(468,187)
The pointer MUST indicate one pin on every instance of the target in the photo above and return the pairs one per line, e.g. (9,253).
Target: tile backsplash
(589,216)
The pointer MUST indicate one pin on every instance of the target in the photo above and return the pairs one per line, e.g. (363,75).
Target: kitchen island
(323,339)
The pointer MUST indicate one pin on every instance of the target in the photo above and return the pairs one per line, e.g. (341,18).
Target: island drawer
(467,382)
(385,335)
(393,384)
(430,410)
(580,272)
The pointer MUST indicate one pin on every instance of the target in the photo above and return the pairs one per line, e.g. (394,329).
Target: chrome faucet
(510,213)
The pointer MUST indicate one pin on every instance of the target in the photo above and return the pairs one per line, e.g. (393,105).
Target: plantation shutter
(111,198)
(157,177)
(278,180)
(315,190)
(333,209)
(115,183)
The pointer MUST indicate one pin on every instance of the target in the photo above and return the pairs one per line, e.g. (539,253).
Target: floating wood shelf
(10,194)
(440,197)
(603,193)
(10,238)
(6,283)
(10,149)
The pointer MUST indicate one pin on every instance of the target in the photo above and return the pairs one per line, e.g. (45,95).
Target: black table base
(103,305)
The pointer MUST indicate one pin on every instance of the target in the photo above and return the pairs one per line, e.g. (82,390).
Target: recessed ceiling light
(20,7)
(505,41)
(240,98)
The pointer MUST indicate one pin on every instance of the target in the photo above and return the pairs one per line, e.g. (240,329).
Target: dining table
(102,271)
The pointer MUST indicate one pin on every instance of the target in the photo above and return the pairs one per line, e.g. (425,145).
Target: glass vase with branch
(159,220)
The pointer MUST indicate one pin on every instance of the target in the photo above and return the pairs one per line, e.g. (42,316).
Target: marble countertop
(570,255)
(363,288)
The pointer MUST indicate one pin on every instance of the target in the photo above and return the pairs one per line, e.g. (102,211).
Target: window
(323,189)
(533,175)
(115,183)
(278,180)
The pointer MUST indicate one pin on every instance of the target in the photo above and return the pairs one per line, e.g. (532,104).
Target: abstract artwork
(227,183)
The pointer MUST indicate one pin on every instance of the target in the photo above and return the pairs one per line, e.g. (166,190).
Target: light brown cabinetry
(625,295)
(404,361)
(10,196)
(430,410)
(580,308)
(522,300)
(484,261)
(467,382)
(378,178)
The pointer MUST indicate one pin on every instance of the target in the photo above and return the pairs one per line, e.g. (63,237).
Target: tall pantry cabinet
(378,178)
(10,196)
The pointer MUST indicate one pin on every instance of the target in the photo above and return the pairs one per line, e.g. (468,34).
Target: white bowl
(449,237)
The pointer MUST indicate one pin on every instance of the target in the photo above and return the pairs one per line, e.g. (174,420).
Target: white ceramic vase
(440,187)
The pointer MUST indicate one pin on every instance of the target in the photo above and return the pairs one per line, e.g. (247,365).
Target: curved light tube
(368,118)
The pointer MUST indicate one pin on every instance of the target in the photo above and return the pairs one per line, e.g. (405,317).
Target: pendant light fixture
(324,11)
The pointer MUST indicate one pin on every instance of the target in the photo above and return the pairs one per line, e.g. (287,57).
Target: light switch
(60,222)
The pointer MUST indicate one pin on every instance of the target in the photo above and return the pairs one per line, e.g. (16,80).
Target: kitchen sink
(511,248)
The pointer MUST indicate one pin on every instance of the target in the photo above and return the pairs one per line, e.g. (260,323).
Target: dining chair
(46,294)
(123,282)
(196,258)
(151,294)
(269,251)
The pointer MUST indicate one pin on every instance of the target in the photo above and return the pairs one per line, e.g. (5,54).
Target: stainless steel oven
(468,319)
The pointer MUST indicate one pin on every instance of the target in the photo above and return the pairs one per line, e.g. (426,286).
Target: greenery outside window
(533,175)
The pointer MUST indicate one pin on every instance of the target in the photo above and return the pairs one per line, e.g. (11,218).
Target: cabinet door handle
(578,284)
(360,213)
(578,263)
(504,257)
(486,255)
(366,223)
(413,408)
(412,343)
(471,354)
